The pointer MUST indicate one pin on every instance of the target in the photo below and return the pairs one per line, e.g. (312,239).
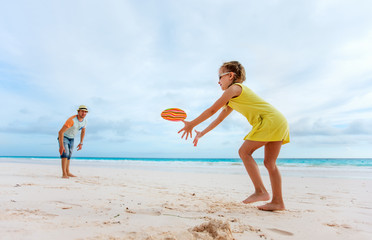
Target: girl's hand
(187,129)
(197,137)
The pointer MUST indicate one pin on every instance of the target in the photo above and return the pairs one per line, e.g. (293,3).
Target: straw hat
(83,107)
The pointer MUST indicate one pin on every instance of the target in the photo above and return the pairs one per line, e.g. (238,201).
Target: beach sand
(112,203)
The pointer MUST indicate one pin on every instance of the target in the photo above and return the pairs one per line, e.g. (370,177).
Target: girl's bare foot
(272,207)
(65,176)
(256,197)
(71,175)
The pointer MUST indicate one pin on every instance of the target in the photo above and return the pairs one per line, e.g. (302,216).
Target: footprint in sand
(152,212)
(282,232)
(65,205)
(338,225)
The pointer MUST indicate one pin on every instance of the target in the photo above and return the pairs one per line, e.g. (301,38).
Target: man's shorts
(68,143)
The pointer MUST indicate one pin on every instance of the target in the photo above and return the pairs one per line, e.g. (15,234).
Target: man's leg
(71,147)
(64,167)
(68,169)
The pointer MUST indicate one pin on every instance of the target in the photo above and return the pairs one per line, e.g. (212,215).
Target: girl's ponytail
(237,69)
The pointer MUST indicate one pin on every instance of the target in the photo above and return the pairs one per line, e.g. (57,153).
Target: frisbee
(173,114)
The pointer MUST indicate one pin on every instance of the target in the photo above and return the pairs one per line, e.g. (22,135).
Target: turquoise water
(355,168)
(326,162)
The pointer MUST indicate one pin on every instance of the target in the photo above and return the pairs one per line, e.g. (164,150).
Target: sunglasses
(223,74)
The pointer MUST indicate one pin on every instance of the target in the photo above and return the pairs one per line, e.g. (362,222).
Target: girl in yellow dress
(269,129)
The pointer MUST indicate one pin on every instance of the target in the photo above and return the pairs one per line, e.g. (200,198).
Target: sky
(129,60)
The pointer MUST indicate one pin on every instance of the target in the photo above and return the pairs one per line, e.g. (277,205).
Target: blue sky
(129,60)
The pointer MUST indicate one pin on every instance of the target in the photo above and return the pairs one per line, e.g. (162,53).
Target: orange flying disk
(173,114)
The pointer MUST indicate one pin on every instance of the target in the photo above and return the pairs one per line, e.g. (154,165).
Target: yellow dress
(268,124)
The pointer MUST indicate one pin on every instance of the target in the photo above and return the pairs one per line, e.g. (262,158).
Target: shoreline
(234,168)
(119,203)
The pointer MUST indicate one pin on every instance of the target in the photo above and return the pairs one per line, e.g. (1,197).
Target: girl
(269,129)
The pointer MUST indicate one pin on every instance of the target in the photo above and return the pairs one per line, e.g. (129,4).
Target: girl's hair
(237,69)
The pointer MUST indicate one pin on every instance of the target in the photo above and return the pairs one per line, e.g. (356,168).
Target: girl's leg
(272,150)
(245,153)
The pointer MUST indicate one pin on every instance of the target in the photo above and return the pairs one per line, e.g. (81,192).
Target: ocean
(357,168)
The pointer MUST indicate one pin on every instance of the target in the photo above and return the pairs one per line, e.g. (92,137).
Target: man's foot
(272,207)
(70,175)
(256,197)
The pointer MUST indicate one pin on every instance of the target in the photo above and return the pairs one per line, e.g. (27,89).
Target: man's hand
(61,150)
(80,146)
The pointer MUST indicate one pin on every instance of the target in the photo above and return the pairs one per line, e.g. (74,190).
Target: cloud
(322,127)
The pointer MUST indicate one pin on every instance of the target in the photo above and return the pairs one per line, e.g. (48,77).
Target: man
(66,137)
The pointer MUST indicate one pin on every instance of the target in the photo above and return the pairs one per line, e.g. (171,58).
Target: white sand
(108,203)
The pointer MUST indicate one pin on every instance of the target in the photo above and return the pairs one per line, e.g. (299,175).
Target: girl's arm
(224,113)
(229,93)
